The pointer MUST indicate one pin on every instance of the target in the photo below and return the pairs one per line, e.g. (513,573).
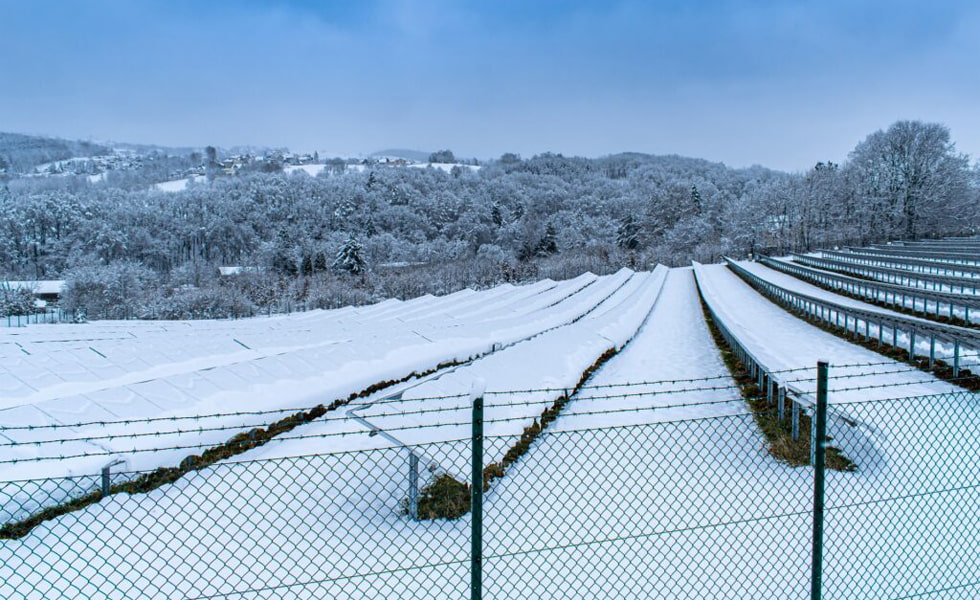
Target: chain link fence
(685,507)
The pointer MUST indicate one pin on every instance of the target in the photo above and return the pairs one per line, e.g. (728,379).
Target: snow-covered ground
(447,167)
(675,350)
(178,185)
(675,498)
(311,170)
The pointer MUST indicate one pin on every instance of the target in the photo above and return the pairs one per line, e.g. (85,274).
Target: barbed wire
(361,432)
(346,418)
(581,393)
(153,419)
(906,369)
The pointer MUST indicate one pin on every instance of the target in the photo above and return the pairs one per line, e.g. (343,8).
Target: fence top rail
(900,260)
(923,253)
(948,333)
(949,297)
(951,280)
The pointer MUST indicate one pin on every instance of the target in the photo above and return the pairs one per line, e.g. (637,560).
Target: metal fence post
(820,418)
(476,496)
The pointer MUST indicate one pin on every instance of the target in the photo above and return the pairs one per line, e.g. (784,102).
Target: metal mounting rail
(966,285)
(954,245)
(951,256)
(912,264)
(870,324)
(415,455)
(895,295)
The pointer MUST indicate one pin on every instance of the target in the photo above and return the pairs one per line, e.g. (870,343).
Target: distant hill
(415,155)
(20,153)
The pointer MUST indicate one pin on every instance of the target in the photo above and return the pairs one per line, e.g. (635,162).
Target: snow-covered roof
(44,286)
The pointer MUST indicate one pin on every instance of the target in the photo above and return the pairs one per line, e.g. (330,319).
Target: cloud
(778,83)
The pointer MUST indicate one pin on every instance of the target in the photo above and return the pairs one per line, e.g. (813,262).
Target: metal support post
(107,476)
(932,352)
(820,418)
(413,486)
(795,420)
(912,346)
(476,495)
(781,404)
(956,359)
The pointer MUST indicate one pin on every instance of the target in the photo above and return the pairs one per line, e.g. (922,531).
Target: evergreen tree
(696,199)
(628,233)
(548,244)
(495,215)
(283,261)
(349,257)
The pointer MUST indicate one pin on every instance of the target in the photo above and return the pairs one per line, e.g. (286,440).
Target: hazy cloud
(777,83)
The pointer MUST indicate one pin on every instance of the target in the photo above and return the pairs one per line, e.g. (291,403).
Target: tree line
(358,236)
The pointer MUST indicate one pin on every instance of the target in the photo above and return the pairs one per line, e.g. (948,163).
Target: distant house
(47,290)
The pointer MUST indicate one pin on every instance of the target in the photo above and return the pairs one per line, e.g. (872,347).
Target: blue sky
(778,83)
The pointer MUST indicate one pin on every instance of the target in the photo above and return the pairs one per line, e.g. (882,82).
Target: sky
(779,83)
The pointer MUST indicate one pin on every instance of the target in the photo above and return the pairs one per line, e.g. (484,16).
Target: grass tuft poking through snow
(444,498)
(778,434)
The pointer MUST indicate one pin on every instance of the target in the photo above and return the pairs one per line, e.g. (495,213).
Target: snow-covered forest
(350,236)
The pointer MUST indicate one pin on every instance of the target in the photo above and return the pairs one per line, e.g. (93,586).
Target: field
(625,456)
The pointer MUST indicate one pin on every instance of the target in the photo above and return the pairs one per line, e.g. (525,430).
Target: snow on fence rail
(911,264)
(949,244)
(907,333)
(894,295)
(962,285)
(951,256)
